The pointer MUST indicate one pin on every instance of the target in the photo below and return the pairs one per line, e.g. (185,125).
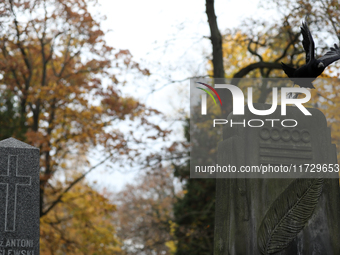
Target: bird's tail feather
(288,70)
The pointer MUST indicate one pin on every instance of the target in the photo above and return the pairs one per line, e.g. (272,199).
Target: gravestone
(19,198)
(279,213)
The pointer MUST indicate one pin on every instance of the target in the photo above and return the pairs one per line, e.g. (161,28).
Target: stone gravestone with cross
(19,198)
(296,212)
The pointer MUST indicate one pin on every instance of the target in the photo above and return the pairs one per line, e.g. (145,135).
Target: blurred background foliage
(53,64)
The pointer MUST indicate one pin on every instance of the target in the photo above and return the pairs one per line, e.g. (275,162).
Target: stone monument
(284,213)
(19,198)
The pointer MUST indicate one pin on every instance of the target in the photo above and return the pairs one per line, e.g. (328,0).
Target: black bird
(313,67)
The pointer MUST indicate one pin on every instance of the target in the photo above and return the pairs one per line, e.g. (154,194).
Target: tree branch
(58,200)
(244,71)
(252,51)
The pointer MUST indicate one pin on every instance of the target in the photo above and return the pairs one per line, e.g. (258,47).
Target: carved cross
(12,180)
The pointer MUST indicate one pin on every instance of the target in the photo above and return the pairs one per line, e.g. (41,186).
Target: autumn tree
(195,211)
(9,118)
(81,224)
(252,50)
(265,45)
(53,63)
(144,216)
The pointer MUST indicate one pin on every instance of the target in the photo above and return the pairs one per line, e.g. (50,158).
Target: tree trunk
(216,40)
(217,60)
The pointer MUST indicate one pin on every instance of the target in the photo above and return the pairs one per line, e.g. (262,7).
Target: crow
(313,67)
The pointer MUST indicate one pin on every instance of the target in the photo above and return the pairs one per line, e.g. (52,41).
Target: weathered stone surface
(19,198)
(243,204)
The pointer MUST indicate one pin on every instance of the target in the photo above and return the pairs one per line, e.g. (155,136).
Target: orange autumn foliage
(61,81)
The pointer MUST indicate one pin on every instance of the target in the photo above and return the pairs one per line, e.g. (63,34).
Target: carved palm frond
(288,215)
